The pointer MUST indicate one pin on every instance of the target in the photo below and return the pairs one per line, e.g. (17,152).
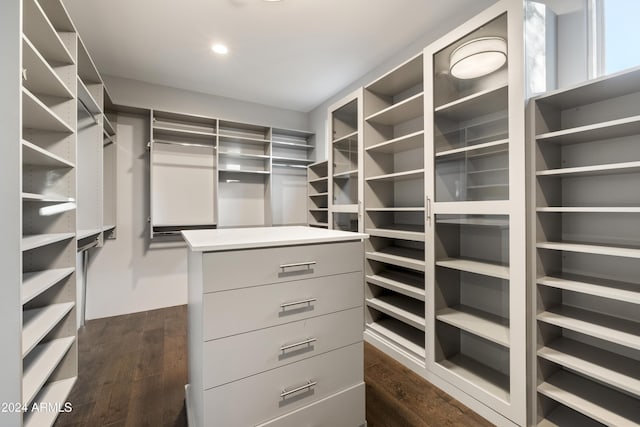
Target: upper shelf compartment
(173,125)
(244,133)
(39,29)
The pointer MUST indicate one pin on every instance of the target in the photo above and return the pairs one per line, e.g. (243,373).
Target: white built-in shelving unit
(345,163)
(476,259)
(586,253)
(318,194)
(394,205)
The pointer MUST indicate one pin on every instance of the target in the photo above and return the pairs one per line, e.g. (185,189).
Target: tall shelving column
(586,260)
(109,168)
(48,289)
(345,163)
(318,193)
(395,210)
(476,258)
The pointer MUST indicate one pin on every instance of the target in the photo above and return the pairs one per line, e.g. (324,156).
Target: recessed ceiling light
(220,48)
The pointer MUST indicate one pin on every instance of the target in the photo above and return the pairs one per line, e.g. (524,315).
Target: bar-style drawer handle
(298,344)
(309,385)
(304,301)
(307,264)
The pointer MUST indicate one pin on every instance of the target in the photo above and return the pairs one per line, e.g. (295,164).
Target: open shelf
(322,179)
(85,234)
(165,129)
(401,257)
(243,155)
(30,242)
(38,322)
(348,137)
(405,336)
(39,365)
(291,160)
(41,78)
(400,282)
(475,221)
(33,155)
(474,105)
(406,310)
(108,126)
(562,416)
(87,99)
(477,267)
(244,171)
(589,209)
(243,139)
(399,231)
(601,403)
(484,377)
(346,175)
(477,322)
(55,393)
(604,366)
(627,126)
(37,282)
(610,169)
(604,288)
(319,194)
(602,326)
(485,148)
(36,115)
(397,145)
(400,79)
(591,249)
(397,209)
(398,176)
(45,198)
(45,38)
(410,108)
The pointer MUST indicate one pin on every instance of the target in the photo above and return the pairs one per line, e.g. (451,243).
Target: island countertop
(261,237)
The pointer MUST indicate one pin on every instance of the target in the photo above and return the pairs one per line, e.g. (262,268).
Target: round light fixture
(478,57)
(220,49)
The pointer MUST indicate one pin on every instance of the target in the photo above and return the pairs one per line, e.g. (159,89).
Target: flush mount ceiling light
(478,57)
(220,49)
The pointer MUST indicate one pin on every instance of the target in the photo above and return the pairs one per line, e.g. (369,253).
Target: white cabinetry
(279,342)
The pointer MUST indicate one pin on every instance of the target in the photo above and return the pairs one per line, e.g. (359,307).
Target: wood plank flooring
(133,368)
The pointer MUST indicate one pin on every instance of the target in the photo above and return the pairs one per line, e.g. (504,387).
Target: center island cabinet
(275,327)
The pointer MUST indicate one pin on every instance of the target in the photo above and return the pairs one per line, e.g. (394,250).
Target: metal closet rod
(287,165)
(184,144)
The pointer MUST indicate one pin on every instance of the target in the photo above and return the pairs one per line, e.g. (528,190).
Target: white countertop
(260,237)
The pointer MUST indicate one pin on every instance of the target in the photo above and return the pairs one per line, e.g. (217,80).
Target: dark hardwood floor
(133,368)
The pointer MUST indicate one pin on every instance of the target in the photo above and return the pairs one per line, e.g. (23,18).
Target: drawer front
(344,409)
(269,395)
(243,310)
(239,356)
(240,269)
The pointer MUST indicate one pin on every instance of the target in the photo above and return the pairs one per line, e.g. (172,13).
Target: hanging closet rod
(184,144)
(85,108)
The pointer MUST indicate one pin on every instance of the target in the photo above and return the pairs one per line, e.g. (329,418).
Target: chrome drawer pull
(310,384)
(298,344)
(306,301)
(307,264)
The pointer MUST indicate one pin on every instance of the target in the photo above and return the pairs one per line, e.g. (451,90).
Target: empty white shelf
(245,139)
(407,337)
(42,34)
(322,179)
(407,284)
(475,221)
(482,376)
(403,143)
(53,393)
(41,78)
(38,240)
(291,159)
(609,169)
(318,224)
(487,186)
(397,209)
(605,288)
(37,282)
(33,155)
(607,328)
(477,322)
(84,234)
(475,105)
(477,267)
(563,416)
(87,99)
(108,227)
(176,131)
(400,79)
(601,403)
(589,209)
(399,231)
(611,368)
(38,322)
(406,310)
(591,249)
(243,155)
(39,365)
(400,112)
(36,115)
(294,145)
(598,131)
(319,194)
(347,137)
(398,176)
(45,198)
(402,257)
(347,174)
(244,171)
(486,148)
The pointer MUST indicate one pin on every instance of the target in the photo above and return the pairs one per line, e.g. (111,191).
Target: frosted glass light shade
(478,57)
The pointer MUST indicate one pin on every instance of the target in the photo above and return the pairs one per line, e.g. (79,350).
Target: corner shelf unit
(394,171)
(47,354)
(586,253)
(345,186)
(318,194)
(476,207)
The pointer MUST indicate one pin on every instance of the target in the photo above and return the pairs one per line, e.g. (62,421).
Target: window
(619,35)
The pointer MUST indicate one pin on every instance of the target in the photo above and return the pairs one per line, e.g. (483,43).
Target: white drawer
(243,310)
(259,398)
(240,269)
(344,409)
(239,356)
